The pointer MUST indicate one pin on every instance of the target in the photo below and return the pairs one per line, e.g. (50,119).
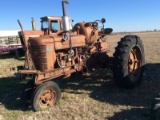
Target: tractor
(60,49)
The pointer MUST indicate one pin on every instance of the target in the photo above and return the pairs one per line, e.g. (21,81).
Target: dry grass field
(94,97)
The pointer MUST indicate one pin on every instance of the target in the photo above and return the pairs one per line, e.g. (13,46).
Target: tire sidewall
(155,109)
(121,57)
(40,89)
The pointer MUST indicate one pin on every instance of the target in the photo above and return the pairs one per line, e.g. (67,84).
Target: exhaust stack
(64,7)
(66,21)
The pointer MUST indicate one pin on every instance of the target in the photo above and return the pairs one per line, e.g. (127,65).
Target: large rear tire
(155,109)
(128,62)
(45,96)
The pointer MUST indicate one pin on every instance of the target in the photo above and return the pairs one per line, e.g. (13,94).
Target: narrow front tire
(45,96)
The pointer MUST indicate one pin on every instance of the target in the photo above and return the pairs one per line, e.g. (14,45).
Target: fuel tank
(84,28)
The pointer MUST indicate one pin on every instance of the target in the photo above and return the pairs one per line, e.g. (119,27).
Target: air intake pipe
(66,21)
(33,24)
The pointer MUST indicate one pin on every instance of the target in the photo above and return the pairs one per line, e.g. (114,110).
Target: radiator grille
(39,56)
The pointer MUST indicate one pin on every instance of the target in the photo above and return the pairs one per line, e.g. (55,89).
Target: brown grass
(93,97)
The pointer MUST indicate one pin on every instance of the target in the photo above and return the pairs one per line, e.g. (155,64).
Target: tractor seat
(107,31)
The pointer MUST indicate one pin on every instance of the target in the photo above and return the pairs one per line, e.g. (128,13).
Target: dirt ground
(94,97)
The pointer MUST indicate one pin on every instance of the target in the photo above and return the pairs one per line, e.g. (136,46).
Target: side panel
(74,41)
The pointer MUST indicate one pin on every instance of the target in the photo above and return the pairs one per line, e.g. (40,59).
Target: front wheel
(45,96)
(128,62)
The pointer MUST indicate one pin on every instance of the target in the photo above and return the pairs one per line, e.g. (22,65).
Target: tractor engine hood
(34,41)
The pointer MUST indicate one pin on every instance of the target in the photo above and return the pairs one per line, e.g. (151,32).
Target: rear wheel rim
(135,63)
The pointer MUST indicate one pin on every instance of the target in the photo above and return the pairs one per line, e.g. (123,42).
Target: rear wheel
(45,96)
(128,62)
(155,109)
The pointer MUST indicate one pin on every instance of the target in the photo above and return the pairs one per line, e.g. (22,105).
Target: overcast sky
(121,15)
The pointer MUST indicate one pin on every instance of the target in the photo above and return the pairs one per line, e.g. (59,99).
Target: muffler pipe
(64,2)
(66,22)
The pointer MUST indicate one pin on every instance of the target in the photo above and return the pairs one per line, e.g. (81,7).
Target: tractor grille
(39,57)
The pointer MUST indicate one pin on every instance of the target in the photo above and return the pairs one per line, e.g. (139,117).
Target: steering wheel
(98,22)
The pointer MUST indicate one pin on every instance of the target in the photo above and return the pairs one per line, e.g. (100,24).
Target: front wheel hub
(47,98)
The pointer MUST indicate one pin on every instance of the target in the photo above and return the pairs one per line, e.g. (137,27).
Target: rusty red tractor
(60,49)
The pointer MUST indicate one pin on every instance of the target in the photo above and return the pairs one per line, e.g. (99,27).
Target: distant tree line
(155,30)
